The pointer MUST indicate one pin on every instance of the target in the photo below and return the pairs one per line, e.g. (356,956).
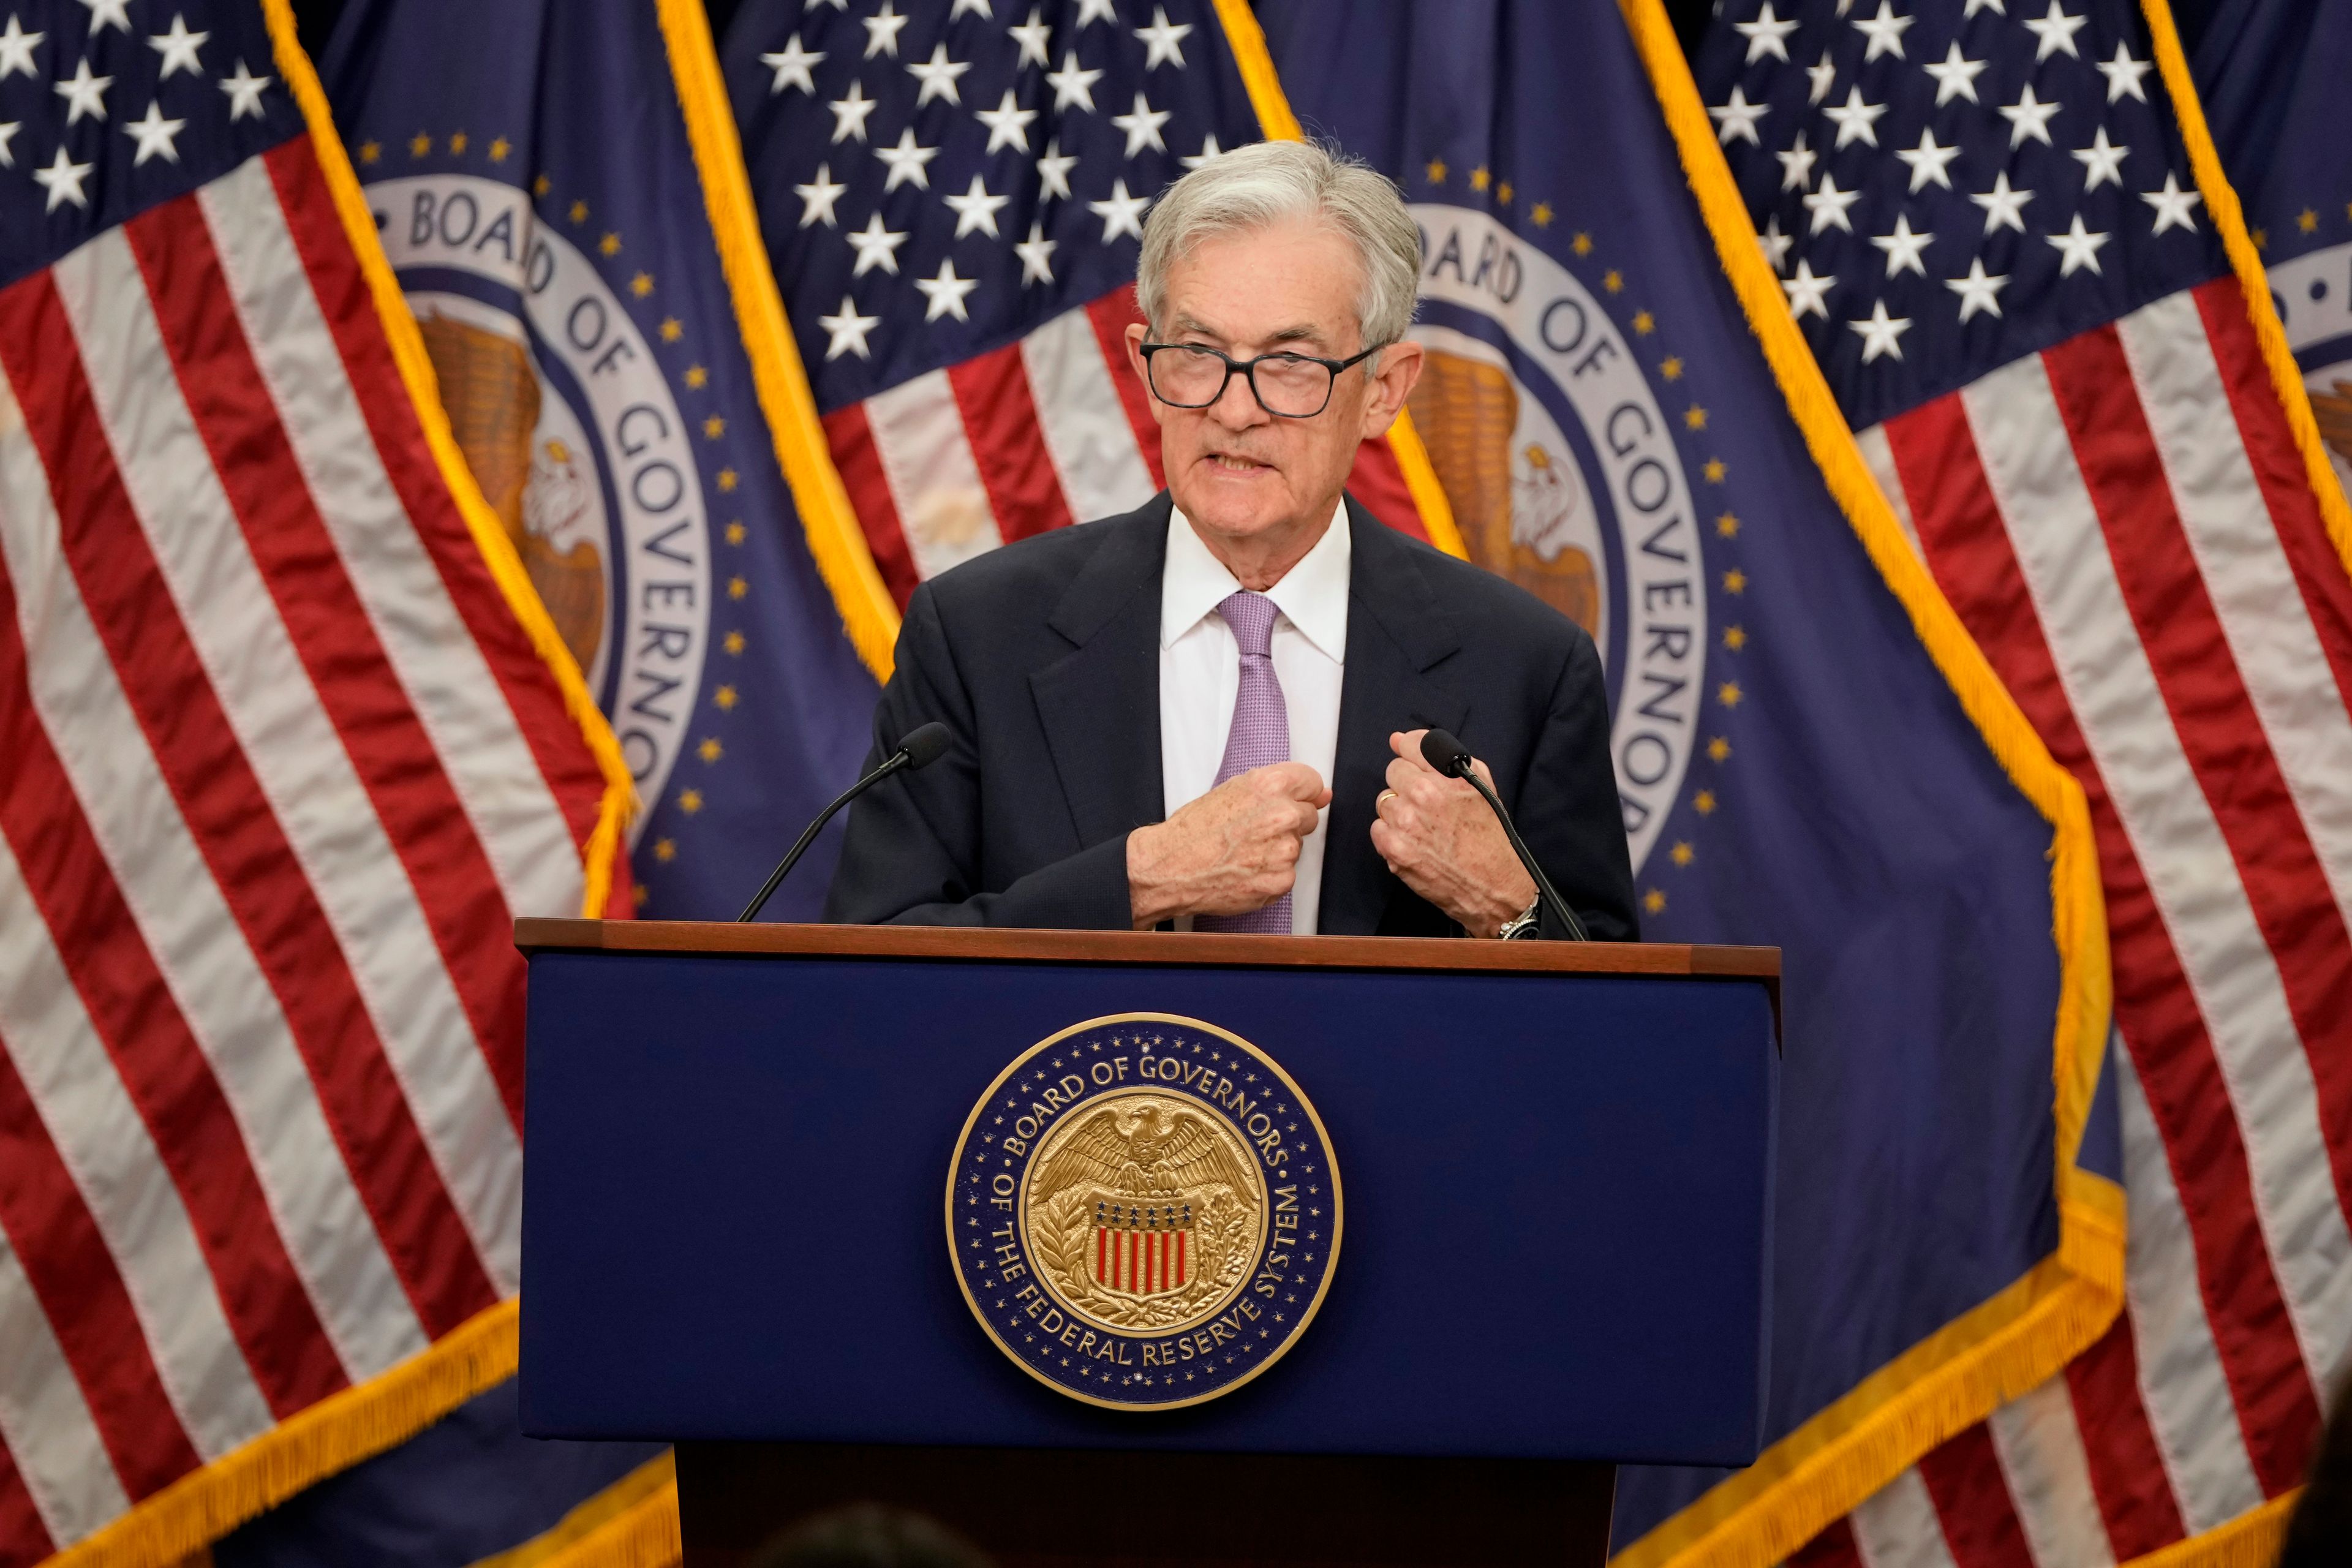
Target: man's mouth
(1235,463)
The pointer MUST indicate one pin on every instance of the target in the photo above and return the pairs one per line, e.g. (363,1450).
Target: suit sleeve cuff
(1089,891)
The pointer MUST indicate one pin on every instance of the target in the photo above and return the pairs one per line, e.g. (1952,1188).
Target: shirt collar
(1313,595)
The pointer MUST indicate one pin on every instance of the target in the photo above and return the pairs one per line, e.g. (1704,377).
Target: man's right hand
(1232,851)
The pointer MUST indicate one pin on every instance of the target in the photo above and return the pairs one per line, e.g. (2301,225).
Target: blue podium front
(1555,1162)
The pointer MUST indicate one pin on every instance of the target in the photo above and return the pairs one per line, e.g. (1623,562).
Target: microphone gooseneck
(1449,757)
(920,749)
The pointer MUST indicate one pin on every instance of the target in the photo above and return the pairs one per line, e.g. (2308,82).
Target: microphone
(1449,757)
(920,749)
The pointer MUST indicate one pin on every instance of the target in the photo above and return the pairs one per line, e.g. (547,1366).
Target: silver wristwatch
(1525,924)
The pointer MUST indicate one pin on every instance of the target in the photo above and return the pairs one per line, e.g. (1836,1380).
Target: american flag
(279,763)
(1984,219)
(952,195)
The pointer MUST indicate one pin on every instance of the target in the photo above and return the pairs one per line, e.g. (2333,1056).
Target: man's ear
(1137,332)
(1400,366)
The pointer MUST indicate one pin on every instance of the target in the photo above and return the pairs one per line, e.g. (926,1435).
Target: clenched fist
(1444,842)
(1232,851)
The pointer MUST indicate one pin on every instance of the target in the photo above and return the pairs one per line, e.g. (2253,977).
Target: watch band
(1525,925)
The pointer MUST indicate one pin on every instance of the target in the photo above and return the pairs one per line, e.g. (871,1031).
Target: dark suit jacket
(1043,658)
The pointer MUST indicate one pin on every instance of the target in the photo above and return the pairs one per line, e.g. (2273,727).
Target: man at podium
(1209,714)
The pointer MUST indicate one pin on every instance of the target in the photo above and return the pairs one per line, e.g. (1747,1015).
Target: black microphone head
(1441,751)
(926,745)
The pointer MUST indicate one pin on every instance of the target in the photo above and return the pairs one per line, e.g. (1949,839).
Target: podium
(1557,1163)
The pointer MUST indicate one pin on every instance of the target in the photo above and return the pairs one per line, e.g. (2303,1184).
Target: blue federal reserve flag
(2272,75)
(1794,764)
(532,176)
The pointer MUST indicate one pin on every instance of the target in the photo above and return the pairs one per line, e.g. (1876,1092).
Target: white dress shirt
(1200,675)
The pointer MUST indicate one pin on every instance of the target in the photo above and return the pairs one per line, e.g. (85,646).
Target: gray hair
(1271,182)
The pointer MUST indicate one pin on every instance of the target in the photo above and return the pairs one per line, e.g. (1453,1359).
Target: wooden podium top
(1204,949)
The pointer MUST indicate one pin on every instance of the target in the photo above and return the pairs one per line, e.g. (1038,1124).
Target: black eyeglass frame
(1247,370)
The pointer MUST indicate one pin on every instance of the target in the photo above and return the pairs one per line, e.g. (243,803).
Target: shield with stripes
(1143,1249)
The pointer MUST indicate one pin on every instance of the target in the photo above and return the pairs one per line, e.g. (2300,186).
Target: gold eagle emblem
(1512,515)
(2335,412)
(491,392)
(1146,1212)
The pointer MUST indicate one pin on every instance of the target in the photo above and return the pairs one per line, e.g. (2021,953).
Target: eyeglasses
(1288,385)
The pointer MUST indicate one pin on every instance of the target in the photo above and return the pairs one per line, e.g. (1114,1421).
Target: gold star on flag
(1695,417)
(672,328)
(689,801)
(710,750)
(1582,244)
(727,479)
(579,213)
(1436,170)
(2261,239)
(2306,220)
(734,533)
(642,284)
(1728,694)
(1503,193)
(714,427)
(737,587)
(1671,368)
(734,643)
(542,185)
(419,145)
(1714,470)
(1644,323)
(1704,803)
(724,696)
(696,376)
(639,894)
(371,151)
(1542,213)
(1654,901)
(665,849)
(1728,525)
(500,149)
(457,142)
(1719,750)
(1480,179)
(1613,280)
(610,244)
(1735,638)
(1682,854)
(1735,581)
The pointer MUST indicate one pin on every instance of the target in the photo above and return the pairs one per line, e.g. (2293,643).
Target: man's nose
(1237,407)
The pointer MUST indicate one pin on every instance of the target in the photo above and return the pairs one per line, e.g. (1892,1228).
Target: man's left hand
(1444,842)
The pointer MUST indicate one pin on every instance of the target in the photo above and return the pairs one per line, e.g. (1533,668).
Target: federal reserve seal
(1144,1212)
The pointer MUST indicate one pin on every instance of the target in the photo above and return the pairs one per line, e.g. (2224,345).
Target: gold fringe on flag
(336,1433)
(2228,217)
(633,1523)
(604,848)
(828,521)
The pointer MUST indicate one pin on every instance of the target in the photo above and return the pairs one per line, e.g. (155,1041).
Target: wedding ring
(1385,796)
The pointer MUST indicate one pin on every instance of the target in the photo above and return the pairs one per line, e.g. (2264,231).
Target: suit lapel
(1099,704)
(1398,636)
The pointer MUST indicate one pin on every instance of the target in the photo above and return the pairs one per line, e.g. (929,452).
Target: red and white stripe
(2123,524)
(282,768)
(1051,430)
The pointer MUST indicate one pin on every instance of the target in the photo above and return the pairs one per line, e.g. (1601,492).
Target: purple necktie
(1261,733)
